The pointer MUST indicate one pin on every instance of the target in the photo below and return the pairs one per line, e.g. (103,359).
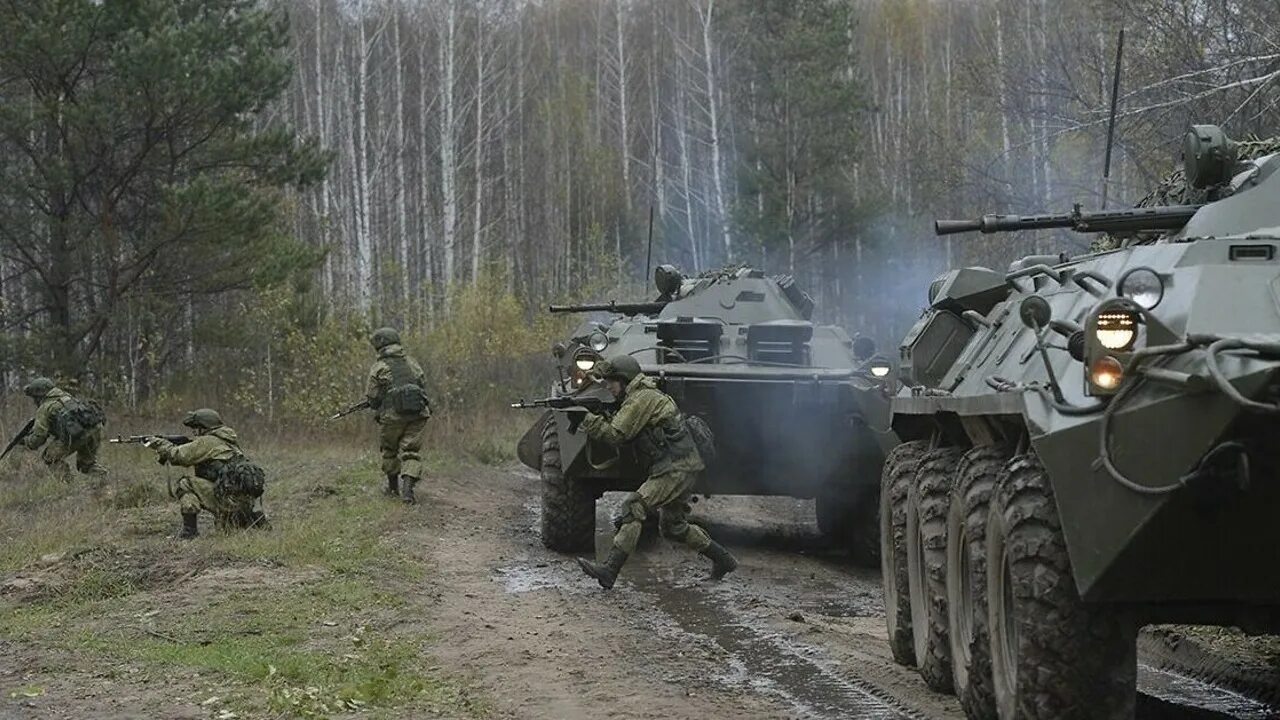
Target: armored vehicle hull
(794,409)
(1089,446)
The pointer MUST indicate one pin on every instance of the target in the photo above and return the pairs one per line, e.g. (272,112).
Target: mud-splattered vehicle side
(1089,445)
(795,405)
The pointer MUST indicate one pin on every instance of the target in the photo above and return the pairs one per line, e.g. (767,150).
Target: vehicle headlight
(1106,373)
(880,367)
(585,363)
(598,341)
(1116,329)
(1142,286)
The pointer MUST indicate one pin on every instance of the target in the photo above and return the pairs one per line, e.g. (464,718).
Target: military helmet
(203,419)
(624,368)
(383,337)
(38,388)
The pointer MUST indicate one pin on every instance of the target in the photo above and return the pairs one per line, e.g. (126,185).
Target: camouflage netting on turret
(1173,190)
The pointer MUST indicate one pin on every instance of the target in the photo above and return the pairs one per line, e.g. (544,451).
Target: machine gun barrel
(642,308)
(1118,221)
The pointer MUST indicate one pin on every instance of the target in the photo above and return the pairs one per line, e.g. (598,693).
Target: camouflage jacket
(203,453)
(380,377)
(49,407)
(649,420)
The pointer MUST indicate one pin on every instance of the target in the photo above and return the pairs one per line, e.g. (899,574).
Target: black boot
(406,489)
(723,562)
(393,485)
(605,574)
(190,527)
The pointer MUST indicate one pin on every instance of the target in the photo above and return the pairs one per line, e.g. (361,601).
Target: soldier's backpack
(75,419)
(406,397)
(239,476)
(703,437)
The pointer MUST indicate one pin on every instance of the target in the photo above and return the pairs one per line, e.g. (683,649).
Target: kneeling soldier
(69,425)
(226,484)
(649,420)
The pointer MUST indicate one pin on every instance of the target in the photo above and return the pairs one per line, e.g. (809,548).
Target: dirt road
(795,633)
(355,606)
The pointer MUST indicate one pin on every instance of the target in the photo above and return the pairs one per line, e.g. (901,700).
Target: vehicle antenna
(1111,125)
(648,258)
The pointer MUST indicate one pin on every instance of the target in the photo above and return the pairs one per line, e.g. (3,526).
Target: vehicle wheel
(967,578)
(851,522)
(927,503)
(568,508)
(895,480)
(1052,655)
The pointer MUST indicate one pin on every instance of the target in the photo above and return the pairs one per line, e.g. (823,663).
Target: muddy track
(795,633)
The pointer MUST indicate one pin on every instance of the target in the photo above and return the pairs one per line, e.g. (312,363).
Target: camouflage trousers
(195,494)
(56,452)
(668,495)
(400,442)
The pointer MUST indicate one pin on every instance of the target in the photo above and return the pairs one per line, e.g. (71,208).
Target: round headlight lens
(598,341)
(1106,373)
(585,363)
(880,367)
(1143,286)
(1116,329)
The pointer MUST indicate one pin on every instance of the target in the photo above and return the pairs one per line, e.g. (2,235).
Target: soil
(796,632)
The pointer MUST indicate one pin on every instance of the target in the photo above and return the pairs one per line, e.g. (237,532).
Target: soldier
(225,484)
(397,395)
(649,420)
(69,425)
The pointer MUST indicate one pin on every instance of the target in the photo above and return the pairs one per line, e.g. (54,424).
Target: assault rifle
(362,405)
(577,407)
(1167,218)
(146,439)
(23,433)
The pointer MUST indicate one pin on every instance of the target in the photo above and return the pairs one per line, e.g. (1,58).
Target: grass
(314,618)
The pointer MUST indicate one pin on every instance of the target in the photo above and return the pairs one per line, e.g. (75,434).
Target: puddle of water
(766,661)
(1179,689)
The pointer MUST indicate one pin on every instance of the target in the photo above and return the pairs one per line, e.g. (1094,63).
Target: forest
(215,200)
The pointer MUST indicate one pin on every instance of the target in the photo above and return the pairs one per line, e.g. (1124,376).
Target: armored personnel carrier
(1089,445)
(797,408)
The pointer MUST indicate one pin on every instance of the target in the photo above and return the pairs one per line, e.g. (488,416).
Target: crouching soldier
(649,420)
(396,393)
(225,483)
(64,425)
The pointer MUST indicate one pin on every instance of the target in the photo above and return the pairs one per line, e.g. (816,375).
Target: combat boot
(406,489)
(607,573)
(393,485)
(190,527)
(723,562)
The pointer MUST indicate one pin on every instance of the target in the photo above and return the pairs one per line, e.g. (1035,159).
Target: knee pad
(632,510)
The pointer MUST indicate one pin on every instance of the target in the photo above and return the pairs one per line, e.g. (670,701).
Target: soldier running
(649,420)
(69,425)
(225,483)
(397,395)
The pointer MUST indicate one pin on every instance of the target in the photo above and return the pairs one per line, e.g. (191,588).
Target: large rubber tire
(895,481)
(927,503)
(568,508)
(976,477)
(851,522)
(1052,655)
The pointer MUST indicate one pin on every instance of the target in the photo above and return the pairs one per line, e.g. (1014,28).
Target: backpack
(238,476)
(703,437)
(406,397)
(75,419)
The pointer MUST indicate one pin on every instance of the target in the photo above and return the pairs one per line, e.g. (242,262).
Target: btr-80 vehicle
(796,408)
(1090,445)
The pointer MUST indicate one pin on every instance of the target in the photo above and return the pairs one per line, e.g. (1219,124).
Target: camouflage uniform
(213,445)
(399,436)
(649,420)
(51,401)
